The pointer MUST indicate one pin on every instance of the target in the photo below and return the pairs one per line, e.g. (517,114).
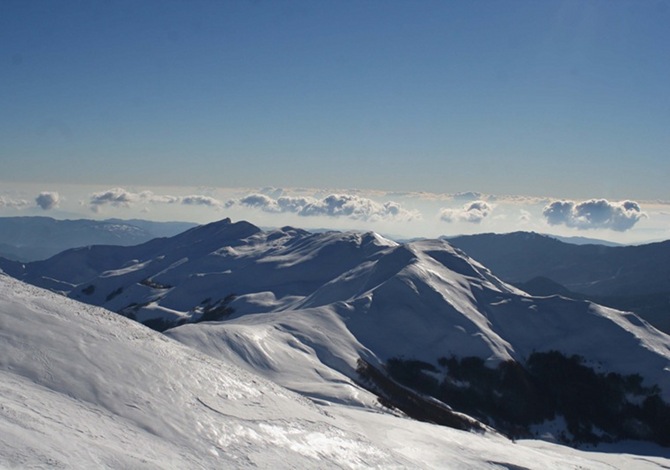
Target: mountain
(585,241)
(320,313)
(34,238)
(635,278)
(85,388)
(588,269)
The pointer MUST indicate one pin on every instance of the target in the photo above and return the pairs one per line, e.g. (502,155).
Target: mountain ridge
(33,238)
(325,301)
(633,278)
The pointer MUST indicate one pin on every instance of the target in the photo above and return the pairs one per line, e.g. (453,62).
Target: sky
(416,118)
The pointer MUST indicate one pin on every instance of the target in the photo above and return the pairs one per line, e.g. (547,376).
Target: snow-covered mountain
(82,387)
(635,278)
(305,309)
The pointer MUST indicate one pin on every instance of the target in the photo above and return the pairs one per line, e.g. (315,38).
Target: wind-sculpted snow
(82,387)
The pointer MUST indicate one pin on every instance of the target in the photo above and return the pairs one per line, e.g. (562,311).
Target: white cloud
(473,212)
(518,199)
(119,197)
(257,201)
(47,200)
(333,205)
(272,191)
(467,196)
(594,214)
(470,196)
(199,200)
(13,203)
(148,196)
(296,204)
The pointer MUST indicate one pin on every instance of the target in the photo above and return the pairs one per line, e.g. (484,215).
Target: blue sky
(550,99)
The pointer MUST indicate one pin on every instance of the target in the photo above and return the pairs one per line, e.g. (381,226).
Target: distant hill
(36,238)
(635,278)
(585,241)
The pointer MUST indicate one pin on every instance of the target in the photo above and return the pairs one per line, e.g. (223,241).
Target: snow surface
(82,387)
(308,306)
(325,300)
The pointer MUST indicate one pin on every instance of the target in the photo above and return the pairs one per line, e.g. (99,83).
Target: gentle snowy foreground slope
(83,387)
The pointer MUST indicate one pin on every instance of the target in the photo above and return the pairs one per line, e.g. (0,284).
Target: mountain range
(635,278)
(330,315)
(34,238)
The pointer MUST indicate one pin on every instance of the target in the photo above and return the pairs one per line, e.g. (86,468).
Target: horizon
(422,119)
(407,216)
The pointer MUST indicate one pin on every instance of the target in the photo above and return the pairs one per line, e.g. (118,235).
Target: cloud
(467,196)
(119,197)
(334,205)
(148,196)
(471,196)
(198,200)
(258,201)
(272,191)
(473,212)
(47,200)
(13,203)
(518,199)
(594,214)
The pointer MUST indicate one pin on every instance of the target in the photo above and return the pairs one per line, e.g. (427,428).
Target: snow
(425,300)
(306,308)
(82,387)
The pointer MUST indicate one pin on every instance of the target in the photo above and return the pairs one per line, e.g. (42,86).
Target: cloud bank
(199,200)
(467,196)
(119,197)
(47,200)
(473,212)
(594,214)
(13,203)
(334,205)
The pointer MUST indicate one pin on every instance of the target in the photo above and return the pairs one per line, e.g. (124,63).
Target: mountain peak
(224,228)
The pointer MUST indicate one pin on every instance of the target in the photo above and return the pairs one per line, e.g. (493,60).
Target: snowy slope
(176,276)
(307,306)
(84,388)
(425,300)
